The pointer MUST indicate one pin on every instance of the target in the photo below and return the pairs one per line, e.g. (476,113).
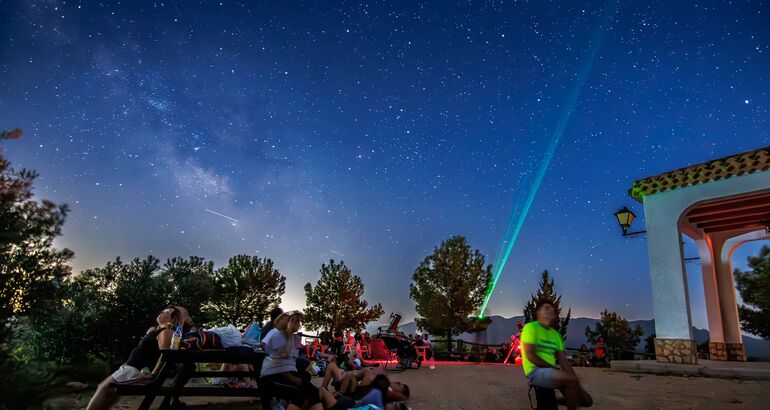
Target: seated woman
(144,356)
(279,376)
(582,359)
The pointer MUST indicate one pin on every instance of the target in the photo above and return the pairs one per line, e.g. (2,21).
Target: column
(674,342)
(717,348)
(731,326)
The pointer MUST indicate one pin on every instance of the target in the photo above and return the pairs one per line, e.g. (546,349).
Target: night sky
(369,132)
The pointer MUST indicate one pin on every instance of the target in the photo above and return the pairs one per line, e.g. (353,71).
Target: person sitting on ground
(543,347)
(600,357)
(144,356)
(279,376)
(583,356)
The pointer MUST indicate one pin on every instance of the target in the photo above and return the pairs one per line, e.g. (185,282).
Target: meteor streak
(519,214)
(223,216)
(336,253)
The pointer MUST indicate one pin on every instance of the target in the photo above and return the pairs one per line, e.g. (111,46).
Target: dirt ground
(497,386)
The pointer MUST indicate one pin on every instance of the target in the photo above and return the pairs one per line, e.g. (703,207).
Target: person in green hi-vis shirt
(542,348)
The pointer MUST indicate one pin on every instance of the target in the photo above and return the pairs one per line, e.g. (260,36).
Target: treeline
(50,316)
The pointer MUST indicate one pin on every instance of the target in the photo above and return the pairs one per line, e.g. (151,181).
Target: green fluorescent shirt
(548,342)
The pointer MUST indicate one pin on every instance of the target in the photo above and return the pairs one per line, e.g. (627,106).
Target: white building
(720,204)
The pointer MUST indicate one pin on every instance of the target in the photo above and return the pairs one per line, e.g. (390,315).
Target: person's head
(381,383)
(400,388)
(583,347)
(184,318)
(275,313)
(425,336)
(546,314)
(289,322)
(169,317)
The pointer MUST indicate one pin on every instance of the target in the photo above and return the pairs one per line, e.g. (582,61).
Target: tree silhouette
(547,293)
(31,270)
(192,284)
(754,287)
(245,290)
(616,332)
(335,303)
(448,286)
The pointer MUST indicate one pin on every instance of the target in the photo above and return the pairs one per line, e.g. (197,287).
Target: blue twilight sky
(371,131)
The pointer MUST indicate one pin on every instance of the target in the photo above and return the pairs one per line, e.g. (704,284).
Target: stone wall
(682,351)
(736,352)
(717,351)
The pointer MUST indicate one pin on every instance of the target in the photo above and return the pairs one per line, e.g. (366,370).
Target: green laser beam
(561,126)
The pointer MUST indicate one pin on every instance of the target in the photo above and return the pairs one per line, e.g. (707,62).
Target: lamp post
(625,218)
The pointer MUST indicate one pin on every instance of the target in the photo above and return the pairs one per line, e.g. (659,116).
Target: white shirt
(275,347)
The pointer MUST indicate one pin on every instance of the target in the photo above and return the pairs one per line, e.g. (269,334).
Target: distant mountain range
(501,329)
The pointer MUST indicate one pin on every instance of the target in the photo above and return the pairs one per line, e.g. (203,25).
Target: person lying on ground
(144,356)
(279,376)
(376,398)
(358,383)
(338,365)
(543,348)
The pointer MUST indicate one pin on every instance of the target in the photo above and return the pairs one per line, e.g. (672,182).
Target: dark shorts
(278,385)
(344,403)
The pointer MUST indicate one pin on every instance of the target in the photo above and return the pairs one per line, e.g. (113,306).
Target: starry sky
(371,131)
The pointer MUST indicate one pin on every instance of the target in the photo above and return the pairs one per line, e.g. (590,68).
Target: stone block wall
(681,351)
(717,351)
(736,352)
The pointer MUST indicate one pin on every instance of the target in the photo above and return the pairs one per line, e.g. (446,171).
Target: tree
(617,333)
(546,293)
(754,287)
(448,286)
(335,303)
(192,284)
(649,344)
(107,310)
(31,270)
(245,290)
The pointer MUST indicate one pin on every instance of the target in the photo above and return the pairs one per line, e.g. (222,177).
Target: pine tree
(546,293)
(245,290)
(448,286)
(616,332)
(335,303)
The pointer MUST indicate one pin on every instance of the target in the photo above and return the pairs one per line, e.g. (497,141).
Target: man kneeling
(542,348)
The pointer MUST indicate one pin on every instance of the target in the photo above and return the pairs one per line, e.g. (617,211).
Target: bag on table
(252,335)
(200,340)
(229,335)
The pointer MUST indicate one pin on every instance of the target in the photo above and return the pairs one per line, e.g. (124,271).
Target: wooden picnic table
(184,362)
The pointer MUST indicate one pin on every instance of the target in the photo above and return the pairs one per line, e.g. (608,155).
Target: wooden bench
(181,362)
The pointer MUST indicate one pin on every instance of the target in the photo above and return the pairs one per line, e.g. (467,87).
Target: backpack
(200,340)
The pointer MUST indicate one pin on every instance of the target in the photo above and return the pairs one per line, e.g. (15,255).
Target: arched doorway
(720,205)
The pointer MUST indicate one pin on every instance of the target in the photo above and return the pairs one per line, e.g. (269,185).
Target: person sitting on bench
(279,376)
(144,356)
(542,349)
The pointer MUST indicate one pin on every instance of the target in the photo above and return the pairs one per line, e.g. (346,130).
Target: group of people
(285,376)
(348,382)
(597,357)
